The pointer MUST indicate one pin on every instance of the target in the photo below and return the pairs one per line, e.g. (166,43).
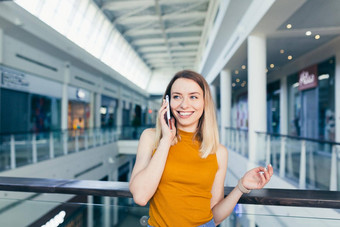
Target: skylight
(83,22)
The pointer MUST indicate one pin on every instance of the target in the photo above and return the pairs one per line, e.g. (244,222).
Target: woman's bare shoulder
(148,134)
(222,152)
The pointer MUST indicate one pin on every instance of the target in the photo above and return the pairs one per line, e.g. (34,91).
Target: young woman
(181,171)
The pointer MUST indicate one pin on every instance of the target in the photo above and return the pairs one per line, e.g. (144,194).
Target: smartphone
(168,116)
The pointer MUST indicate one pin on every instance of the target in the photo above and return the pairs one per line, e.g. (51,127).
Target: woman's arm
(148,169)
(254,179)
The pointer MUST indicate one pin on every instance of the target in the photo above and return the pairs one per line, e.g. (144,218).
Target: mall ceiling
(168,33)
(285,44)
(165,33)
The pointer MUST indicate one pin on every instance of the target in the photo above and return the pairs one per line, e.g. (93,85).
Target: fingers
(172,122)
(270,169)
(265,173)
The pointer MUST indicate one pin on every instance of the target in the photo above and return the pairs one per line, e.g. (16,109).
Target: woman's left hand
(257,178)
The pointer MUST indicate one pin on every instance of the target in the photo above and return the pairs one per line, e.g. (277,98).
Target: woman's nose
(184,103)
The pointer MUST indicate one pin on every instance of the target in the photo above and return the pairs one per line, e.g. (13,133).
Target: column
(284,107)
(213,94)
(214,97)
(90,211)
(120,111)
(97,103)
(1,46)
(92,110)
(257,84)
(64,98)
(225,101)
(337,98)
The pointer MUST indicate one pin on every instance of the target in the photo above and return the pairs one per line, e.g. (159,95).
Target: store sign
(308,78)
(14,80)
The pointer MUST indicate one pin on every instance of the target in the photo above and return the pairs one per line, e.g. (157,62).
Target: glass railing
(309,163)
(237,140)
(21,149)
(131,132)
(254,215)
(85,212)
(98,203)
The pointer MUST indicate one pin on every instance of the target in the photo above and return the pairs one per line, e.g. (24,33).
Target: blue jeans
(210,223)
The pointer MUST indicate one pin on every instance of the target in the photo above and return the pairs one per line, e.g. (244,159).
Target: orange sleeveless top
(184,191)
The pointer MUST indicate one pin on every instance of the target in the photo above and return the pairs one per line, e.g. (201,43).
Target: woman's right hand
(167,133)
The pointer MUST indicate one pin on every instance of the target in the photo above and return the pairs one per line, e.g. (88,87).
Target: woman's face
(186,103)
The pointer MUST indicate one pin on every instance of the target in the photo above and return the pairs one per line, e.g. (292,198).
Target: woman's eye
(175,97)
(194,97)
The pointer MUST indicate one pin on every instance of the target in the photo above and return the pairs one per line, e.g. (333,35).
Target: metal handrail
(279,197)
(300,138)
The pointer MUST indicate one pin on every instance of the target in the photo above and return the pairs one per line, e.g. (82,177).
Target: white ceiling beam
(173,2)
(152,62)
(184,39)
(176,60)
(150,41)
(185,23)
(180,66)
(193,28)
(156,56)
(125,5)
(152,49)
(184,54)
(138,19)
(141,42)
(184,47)
(142,32)
(163,48)
(166,17)
(130,14)
(185,16)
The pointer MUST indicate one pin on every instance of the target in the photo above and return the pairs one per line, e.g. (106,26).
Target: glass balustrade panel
(43,146)
(5,152)
(23,149)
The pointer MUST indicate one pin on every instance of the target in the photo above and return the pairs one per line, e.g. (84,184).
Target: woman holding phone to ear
(181,171)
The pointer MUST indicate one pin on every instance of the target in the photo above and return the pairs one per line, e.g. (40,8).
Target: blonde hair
(207,131)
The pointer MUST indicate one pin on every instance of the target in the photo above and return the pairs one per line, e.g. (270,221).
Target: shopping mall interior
(80,80)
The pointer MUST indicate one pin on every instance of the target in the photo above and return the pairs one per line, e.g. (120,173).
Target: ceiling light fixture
(271,65)
(236,71)
(308,33)
(233,84)
(282,51)
(237,80)
(317,37)
(289,26)
(323,77)
(243,67)
(290,57)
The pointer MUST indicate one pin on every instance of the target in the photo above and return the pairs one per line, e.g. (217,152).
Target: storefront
(108,112)
(273,107)
(311,101)
(28,103)
(78,108)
